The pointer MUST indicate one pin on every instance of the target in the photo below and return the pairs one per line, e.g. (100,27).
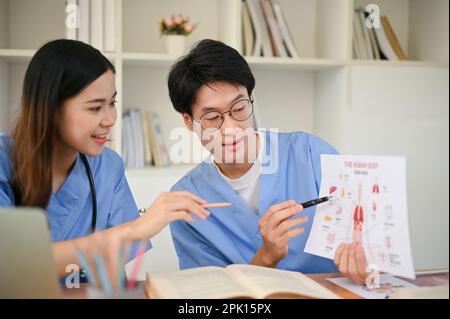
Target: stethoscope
(93,192)
(83,274)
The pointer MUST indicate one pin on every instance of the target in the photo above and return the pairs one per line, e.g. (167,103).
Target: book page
(197,283)
(388,285)
(268,282)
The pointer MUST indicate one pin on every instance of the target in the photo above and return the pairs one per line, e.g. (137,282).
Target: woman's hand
(105,245)
(277,228)
(351,262)
(168,207)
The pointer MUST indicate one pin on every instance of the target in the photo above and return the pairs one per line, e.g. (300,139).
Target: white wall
(4,86)
(146,187)
(426,20)
(405,112)
(292,111)
(140,29)
(301,17)
(16,76)
(4,22)
(32,23)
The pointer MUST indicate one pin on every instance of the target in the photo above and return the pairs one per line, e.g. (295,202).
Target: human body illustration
(358,219)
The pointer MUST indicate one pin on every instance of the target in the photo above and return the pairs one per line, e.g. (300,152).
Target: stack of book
(375,43)
(265,30)
(93,22)
(142,140)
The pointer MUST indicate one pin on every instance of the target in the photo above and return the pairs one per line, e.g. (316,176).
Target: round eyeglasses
(240,111)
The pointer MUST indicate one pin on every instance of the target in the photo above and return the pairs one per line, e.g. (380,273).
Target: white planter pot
(176,44)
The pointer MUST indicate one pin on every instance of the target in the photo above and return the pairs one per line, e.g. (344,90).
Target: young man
(264,175)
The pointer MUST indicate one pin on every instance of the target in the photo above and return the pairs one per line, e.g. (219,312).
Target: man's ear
(187,121)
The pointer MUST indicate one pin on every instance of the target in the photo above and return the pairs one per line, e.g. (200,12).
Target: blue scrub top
(231,234)
(70,210)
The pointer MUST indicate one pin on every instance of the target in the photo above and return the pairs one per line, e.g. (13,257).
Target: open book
(234,281)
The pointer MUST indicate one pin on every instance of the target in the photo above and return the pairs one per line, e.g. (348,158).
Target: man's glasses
(240,111)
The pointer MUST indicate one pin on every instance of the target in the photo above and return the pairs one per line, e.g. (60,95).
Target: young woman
(56,158)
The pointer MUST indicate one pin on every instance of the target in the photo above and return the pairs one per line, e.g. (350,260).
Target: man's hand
(351,262)
(277,228)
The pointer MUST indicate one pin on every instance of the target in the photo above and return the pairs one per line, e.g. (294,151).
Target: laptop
(27,267)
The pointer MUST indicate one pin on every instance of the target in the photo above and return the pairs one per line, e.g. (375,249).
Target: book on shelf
(365,34)
(138,137)
(96,23)
(248,33)
(132,139)
(234,281)
(160,150)
(285,32)
(385,46)
(355,41)
(358,37)
(262,39)
(274,30)
(390,34)
(146,131)
(257,41)
(142,140)
(125,139)
(269,32)
(375,43)
(271,36)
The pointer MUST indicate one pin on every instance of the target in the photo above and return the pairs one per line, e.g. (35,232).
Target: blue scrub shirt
(231,234)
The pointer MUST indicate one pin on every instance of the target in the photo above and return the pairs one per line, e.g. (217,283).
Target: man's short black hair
(209,61)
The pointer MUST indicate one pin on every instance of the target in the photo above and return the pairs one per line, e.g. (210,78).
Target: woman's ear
(187,121)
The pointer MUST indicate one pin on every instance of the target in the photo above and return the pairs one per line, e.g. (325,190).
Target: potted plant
(175,29)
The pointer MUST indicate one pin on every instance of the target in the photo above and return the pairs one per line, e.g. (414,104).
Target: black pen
(316,201)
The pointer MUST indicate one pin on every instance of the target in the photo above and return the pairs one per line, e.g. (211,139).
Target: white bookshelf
(321,29)
(317,93)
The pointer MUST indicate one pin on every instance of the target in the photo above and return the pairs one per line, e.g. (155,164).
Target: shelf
(150,59)
(309,64)
(281,64)
(157,59)
(22,56)
(406,63)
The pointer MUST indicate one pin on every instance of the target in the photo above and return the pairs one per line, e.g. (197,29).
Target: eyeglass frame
(251,100)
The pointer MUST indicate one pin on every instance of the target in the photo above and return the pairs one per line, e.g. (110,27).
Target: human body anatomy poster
(369,207)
